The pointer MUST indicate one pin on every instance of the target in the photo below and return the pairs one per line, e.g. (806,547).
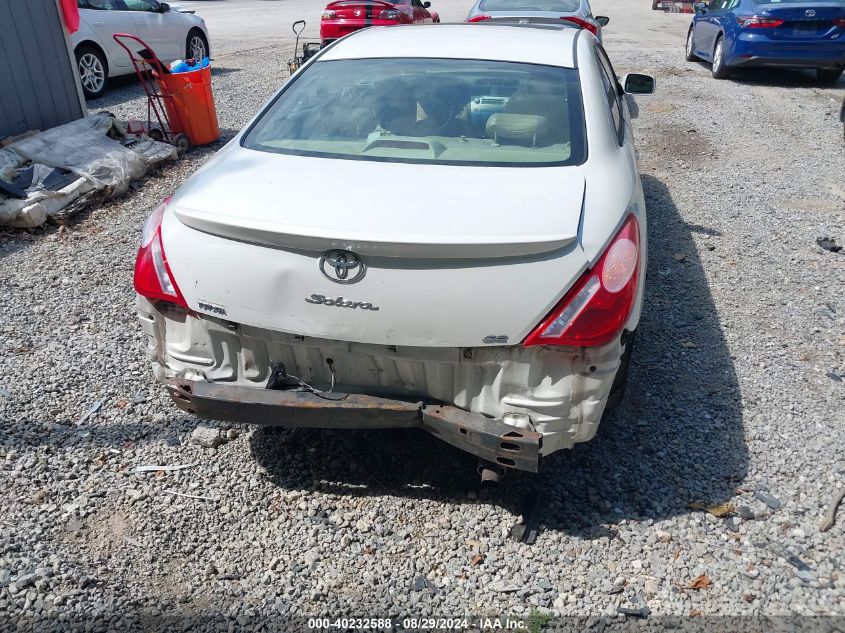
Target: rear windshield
(557,6)
(442,111)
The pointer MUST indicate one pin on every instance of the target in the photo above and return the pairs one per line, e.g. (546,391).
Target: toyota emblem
(342,267)
(810,13)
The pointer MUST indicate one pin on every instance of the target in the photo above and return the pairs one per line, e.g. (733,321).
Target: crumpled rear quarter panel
(563,390)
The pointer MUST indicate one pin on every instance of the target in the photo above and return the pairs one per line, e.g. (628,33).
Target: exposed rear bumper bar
(489,439)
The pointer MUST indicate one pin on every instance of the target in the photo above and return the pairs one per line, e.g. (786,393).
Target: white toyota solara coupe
(433,226)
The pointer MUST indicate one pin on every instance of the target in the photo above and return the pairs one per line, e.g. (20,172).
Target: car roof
(549,46)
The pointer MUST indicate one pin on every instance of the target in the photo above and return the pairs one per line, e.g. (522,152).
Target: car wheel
(690,48)
(93,71)
(719,69)
(654,4)
(617,389)
(829,75)
(196,46)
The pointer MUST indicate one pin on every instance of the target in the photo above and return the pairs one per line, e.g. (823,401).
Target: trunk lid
(358,9)
(453,255)
(537,17)
(804,21)
(408,210)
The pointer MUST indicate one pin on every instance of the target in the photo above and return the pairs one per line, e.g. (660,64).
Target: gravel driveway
(736,396)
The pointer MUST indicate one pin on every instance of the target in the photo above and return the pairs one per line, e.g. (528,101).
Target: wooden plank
(61,69)
(14,119)
(31,72)
(44,66)
(37,82)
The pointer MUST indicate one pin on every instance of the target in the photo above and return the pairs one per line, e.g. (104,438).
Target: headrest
(527,128)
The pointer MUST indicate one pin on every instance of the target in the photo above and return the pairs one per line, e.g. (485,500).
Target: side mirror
(163,7)
(602,19)
(700,7)
(638,84)
(426,5)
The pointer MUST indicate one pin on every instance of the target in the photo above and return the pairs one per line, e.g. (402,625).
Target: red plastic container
(190,105)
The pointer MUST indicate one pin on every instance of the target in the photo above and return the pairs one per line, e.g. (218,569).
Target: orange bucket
(190,105)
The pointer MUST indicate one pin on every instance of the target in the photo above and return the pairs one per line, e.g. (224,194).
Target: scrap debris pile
(52,174)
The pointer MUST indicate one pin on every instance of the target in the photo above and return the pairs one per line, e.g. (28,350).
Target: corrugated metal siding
(37,81)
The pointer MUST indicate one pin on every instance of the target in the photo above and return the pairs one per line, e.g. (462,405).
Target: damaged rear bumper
(489,439)
(218,369)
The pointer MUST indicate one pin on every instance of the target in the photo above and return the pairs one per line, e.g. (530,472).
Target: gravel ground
(736,395)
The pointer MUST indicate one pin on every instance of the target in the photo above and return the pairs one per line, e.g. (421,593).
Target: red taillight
(389,14)
(479,18)
(153,278)
(584,24)
(597,306)
(328,14)
(758,22)
(839,22)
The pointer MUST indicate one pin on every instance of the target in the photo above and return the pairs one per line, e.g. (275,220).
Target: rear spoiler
(454,247)
(359,3)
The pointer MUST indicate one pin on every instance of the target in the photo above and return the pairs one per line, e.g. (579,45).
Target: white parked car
(171,32)
(435,226)
(576,13)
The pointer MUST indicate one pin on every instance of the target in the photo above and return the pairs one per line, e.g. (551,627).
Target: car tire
(196,45)
(829,75)
(842,117)
(93,71)
(654,4)
(617,389)
(719,69)
(689,48)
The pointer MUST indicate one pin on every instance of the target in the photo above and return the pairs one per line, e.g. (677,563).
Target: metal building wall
(38,85)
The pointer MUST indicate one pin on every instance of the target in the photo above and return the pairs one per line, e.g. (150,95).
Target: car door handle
(99,23)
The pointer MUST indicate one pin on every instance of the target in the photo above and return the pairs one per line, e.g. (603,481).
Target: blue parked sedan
(796,34)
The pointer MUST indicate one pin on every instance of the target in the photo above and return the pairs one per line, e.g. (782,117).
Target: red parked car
(344,16)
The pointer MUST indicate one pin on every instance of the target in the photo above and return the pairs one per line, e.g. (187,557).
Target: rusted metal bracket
(291,408)
(489,439)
